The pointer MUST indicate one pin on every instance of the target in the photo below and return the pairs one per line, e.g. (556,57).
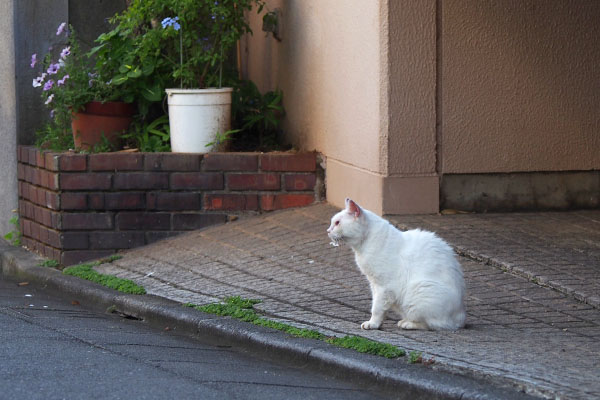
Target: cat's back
(420,238)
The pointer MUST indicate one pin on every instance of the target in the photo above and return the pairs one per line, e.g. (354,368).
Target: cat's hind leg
(405,324)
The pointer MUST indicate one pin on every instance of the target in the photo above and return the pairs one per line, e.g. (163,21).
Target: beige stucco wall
(397,93)
(520,85)
(328,67)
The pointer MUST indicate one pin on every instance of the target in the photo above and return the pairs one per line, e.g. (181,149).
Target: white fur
(415,273)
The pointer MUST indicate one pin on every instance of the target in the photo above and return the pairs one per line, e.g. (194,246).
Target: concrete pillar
(8,116)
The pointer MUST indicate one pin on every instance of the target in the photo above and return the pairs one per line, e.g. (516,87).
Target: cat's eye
(337,223)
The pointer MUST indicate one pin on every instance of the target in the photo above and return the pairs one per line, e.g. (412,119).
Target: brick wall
(75,207)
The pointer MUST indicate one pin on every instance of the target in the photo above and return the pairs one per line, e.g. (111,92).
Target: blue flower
(61,28)
(53,69)
(65,52)
(62,81)
(48,85)
(171,22)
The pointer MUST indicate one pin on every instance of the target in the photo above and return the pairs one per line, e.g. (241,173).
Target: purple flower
(62,81)
(49,99)
(34,60)
(65,52)
(52,113)
(48,85)
(53,69)
(61,28)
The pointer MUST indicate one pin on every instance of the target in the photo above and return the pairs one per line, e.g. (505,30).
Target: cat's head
(348,225)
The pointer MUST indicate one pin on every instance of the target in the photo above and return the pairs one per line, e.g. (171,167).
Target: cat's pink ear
(353,208)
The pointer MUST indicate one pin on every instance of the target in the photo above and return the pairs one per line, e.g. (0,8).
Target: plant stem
(221,67)
(181,58)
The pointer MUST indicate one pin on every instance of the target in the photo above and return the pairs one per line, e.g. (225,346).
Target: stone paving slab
(556,249)
(518,332)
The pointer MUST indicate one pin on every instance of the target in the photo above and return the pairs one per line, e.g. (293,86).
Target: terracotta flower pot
(110,119)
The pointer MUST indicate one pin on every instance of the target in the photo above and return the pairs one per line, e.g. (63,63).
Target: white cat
(415,273)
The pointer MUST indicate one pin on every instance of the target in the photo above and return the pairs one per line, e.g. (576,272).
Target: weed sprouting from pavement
(86,271)
(49,264)
(415,357)
(243,309)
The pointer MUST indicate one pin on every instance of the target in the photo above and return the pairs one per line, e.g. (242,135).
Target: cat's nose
(329,230)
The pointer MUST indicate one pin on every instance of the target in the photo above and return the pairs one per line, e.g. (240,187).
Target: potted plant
(81,100)
(181,46)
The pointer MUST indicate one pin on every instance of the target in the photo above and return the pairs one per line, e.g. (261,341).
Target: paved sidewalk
(519,333)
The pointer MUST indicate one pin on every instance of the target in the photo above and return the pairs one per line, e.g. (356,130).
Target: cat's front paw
(369,325)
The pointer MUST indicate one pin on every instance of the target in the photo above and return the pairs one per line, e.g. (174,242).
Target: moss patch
(243,309)
(86,271)
(363,345)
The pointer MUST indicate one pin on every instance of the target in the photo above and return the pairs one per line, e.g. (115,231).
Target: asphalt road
(54,348)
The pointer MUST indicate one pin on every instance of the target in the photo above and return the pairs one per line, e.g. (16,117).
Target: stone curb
(412,381)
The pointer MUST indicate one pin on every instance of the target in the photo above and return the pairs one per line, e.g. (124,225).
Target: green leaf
(153,93)
(147,68)
(94,50)
(135,73)
(124,68)
(120,79)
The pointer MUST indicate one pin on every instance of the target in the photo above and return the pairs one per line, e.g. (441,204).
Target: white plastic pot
(196,116)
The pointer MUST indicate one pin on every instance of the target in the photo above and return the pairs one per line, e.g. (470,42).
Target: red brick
(32,157)
(271,202)
(24,190)
(188,221)
(56,220)
(304,162)
(230,162)
(30,210)
(141,180)
(53,238)
(43,234)
(78,256)
(173,201)
(26,227)
(28,173)
(50,179)
(20,172)
(23,154)
(300,182)
(35,231)
(32,194)
(86,221)
(172,162)
(195,180)
(124,201)
(116,161)
(39,158)
(231,202)
(96,201)
(116,240)
(143,221)
(74,240)
(253,181)
(52,200)
(36,176)
(85,181)
(73,201)
(51,161)
(72,162)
